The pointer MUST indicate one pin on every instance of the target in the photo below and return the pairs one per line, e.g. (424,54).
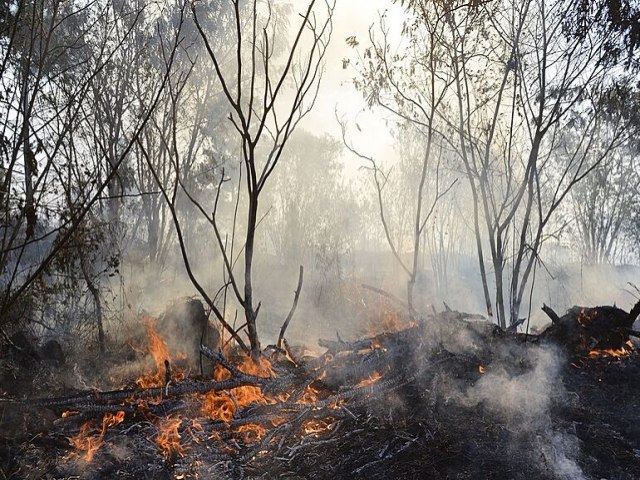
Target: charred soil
(443,398)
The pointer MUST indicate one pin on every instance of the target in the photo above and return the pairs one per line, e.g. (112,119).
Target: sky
(351,18)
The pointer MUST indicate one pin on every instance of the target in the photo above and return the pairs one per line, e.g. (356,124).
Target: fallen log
(133,394)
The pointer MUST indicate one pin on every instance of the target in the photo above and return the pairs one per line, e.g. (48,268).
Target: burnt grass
(446,440)
(467,401)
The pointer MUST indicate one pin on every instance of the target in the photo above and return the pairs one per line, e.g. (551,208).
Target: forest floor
(443,399)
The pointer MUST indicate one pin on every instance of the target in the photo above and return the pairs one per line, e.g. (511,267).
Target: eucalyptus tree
(413,89)
(605,203)
(510,79)
(268,84)
(53,54)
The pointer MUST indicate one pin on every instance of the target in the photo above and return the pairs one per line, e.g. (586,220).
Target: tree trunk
(95,293)
(29,157)
(249,312)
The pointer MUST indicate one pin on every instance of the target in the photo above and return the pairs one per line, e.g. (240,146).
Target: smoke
(524,400)
(521,398)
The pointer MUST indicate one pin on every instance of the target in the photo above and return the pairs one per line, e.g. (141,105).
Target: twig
(219,358)
(9,341)
(293,307)
(633,333)
(388,295)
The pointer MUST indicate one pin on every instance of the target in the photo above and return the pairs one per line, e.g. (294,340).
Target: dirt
(466,401)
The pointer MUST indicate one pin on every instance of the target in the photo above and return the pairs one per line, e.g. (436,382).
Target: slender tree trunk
(29,157)
(250,313)
(472,184)
(499,274)
(95,293)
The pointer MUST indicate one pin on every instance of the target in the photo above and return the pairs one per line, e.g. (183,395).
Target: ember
(385,398)
(627,349)
(90,438)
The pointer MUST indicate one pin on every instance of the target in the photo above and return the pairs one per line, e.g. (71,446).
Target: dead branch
(132,394)
(293,308)
(634,313)
(386,294)
(550,313)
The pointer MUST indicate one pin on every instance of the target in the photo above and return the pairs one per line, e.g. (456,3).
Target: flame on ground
(91,438)
(215,405)
(373,378)
(316,427)
(168,439)
(310,394)
(222,405)
(252,432)
(627,349)
(160,353)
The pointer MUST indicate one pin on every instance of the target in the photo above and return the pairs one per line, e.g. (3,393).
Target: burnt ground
(598,415)
(604,415)
(471,402)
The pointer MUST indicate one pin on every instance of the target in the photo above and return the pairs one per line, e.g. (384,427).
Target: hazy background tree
(53,53)
(264,117)
(511,82)
(135,141)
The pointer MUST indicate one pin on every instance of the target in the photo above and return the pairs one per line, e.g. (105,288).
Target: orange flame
(218,406)
(252,432)
(222,406)
(90,438)
(627,349)
(373,378)
(160,352)
(168,439)
(316,427)
(310,394)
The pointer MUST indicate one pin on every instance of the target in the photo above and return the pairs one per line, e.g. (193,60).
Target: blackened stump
(184,326)
(584,329)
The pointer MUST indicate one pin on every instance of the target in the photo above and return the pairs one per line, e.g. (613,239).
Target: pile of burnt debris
(442,397)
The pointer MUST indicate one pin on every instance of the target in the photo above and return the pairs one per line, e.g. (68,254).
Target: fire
(90,438)
(223,406)
(252,432)
(373,378)
(157,346)
(382,316)
(316,427)
(627,349)
(161,354)
(218,406)
(168,439)
(392,321)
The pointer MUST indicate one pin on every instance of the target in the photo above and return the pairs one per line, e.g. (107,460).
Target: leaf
(352,42)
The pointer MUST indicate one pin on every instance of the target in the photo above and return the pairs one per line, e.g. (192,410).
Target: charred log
(583,329)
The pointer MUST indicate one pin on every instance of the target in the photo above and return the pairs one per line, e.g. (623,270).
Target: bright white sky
(352,17)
